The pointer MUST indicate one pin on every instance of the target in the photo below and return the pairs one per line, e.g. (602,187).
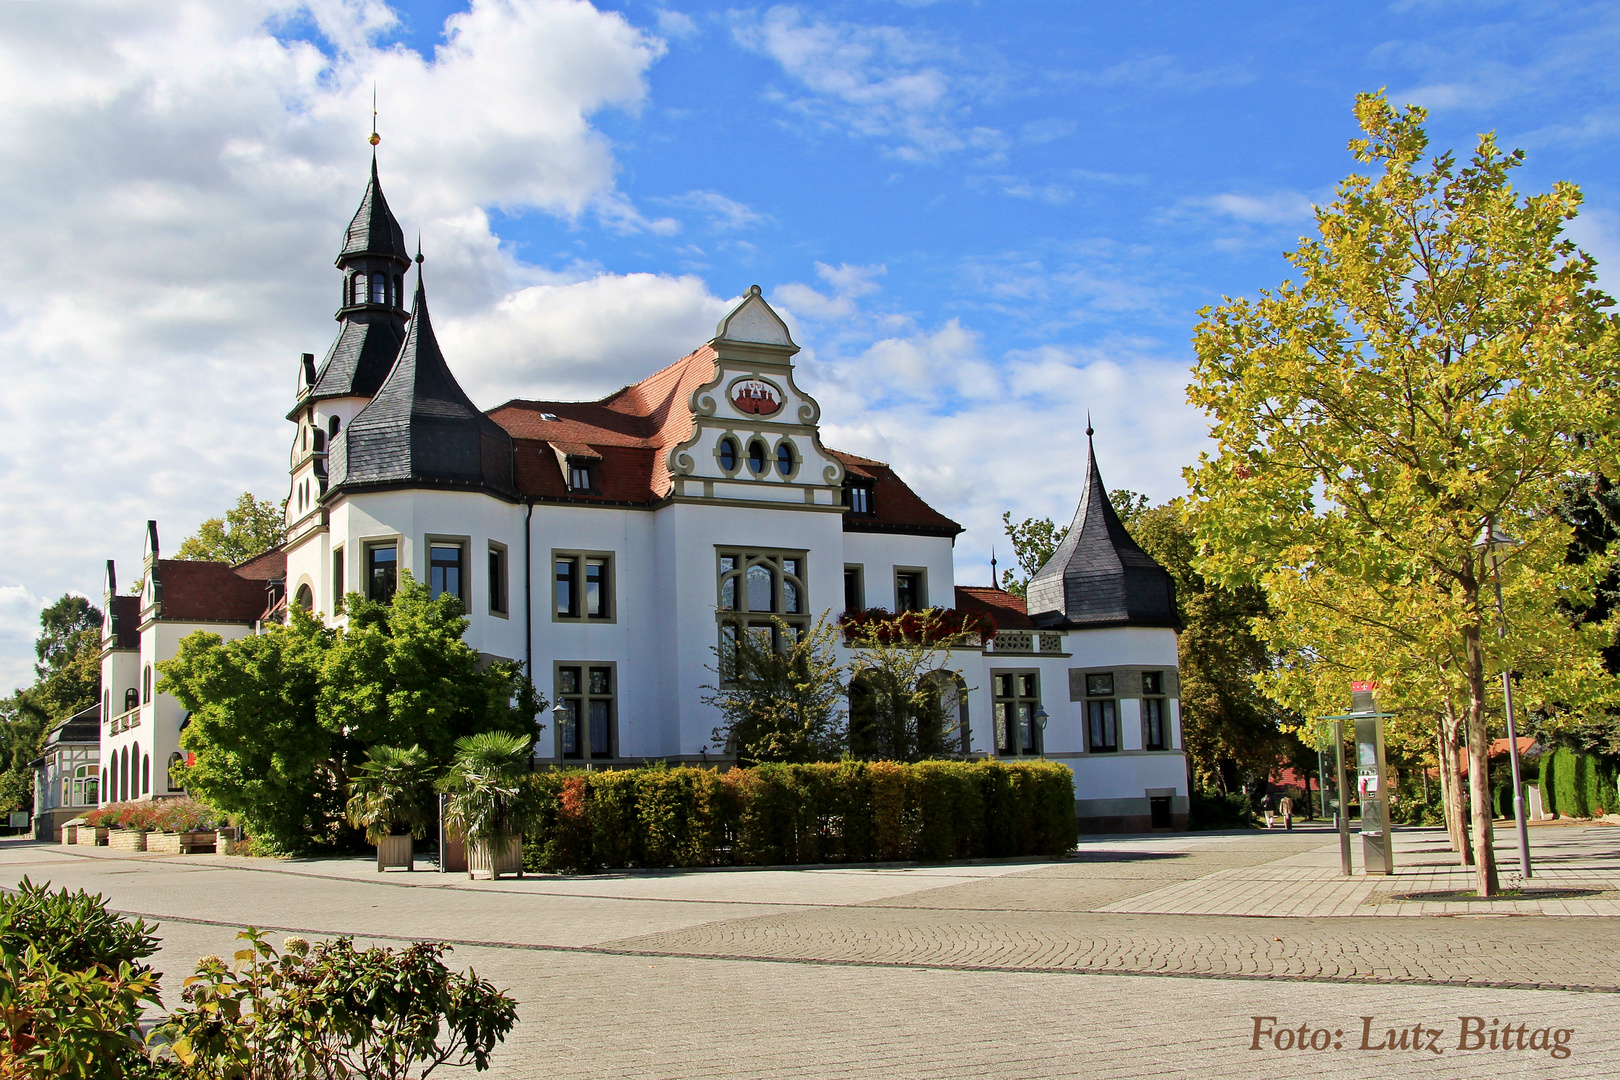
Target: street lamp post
(1493,540)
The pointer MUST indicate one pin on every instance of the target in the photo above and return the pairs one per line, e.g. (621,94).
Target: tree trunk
(1479,745)
(1451,788)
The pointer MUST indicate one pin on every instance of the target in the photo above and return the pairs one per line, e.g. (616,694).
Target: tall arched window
(106,787)
(175,762)
(106,704)
(359,288)
(123,774)
(379,288)
(146,774)
(146,685)
(333,426)
(132,699)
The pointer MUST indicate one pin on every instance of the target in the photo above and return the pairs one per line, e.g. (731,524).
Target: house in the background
(615,546)
(67,776)
(140,728)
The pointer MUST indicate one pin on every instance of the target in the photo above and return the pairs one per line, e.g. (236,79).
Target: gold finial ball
(375,139)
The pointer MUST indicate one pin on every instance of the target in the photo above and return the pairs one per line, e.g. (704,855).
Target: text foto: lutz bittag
(1469,1033)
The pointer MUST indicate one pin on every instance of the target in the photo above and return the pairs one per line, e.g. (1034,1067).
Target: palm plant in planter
(489,800)
(391,798)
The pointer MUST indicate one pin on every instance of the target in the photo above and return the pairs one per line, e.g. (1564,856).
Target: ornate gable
(754,434)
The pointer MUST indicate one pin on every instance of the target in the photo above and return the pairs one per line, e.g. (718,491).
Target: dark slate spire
(372,313)
(1098,576)
(421,430)
(373,231)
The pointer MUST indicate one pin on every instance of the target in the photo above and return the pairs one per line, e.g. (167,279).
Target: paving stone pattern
(989,970)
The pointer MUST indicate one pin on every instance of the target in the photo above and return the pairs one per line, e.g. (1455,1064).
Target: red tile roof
(896,508)
(650,416)
(217,592)
(633,430)
(1005,609)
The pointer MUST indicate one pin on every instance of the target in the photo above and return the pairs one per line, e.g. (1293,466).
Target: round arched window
(333,426)
(784,458)
(304,597)
(756,457)
(728,454)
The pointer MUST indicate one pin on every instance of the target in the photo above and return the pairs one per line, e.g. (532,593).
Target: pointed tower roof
(1098,576)
(421,430)
(373,231)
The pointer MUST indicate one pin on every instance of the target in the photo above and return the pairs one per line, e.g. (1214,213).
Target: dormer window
(581,474)
(728,454)
(756,457)
(858,497)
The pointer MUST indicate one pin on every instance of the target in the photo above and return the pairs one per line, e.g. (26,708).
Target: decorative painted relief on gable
(755,396)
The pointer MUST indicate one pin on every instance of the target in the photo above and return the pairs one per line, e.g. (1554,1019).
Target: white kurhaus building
(613,544)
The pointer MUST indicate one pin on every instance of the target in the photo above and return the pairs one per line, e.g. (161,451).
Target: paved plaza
(1138,956)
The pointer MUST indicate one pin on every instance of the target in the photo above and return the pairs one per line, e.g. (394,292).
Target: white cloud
(723,214)
(177,179)
(19,626)
(675,24)
(580,340)
(846,282)
(976,433)
(1277,208)
(877,82)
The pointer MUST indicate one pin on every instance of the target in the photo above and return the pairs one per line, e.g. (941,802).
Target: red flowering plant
(136,814)
(931,626)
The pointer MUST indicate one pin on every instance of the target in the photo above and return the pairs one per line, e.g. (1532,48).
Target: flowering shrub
(931,626)
(163,815)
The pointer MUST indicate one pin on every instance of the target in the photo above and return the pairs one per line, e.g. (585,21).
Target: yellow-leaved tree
(1445,361)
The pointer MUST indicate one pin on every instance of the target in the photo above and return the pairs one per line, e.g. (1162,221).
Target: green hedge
(1574,784)
(778,815)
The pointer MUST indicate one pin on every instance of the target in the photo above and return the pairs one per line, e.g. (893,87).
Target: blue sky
(983,220)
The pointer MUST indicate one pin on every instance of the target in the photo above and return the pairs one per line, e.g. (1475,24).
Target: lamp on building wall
(1041,717)
(1494,541)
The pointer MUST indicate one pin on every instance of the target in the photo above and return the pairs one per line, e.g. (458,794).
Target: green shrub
(787,814)
(1575,784)
(1219,810)
(330,1009)
(73,985)
(71,930)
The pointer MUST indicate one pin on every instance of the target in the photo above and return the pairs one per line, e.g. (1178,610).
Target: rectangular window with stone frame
(1015,701)
(1155,712)
(1102,714)
(587,729)
(582,586)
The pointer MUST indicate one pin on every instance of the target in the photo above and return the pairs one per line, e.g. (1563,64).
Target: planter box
(126,839)
(396,852)
(506,859)
(85,836)
(180,843)
(452,853)
(70,834)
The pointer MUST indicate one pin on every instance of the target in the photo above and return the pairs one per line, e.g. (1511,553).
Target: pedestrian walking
(1285,807)
(1271,815)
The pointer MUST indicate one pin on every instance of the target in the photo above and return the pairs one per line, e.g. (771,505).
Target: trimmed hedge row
(1574,784)
(774,815)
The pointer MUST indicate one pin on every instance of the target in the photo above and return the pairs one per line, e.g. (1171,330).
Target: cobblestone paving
(967,971)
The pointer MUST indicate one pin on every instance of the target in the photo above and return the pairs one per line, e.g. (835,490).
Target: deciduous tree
(1445,361)
(249,528)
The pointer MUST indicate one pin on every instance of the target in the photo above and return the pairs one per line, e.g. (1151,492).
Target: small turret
(1098,577)
(421,429)
(374,260)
